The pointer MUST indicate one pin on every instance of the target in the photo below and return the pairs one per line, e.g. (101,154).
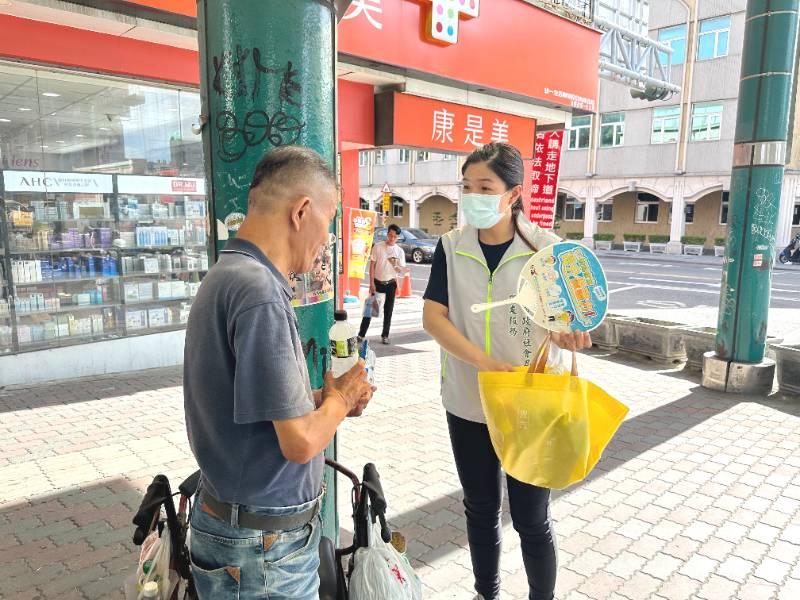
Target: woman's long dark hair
(505,161)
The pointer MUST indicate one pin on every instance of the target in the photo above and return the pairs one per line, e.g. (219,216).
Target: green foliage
(634,237)
(604,237)
(658,239)
(574,235)
(693,240)
(719,241)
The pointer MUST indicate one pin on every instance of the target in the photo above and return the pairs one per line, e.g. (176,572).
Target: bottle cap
(150,589)
(340,315)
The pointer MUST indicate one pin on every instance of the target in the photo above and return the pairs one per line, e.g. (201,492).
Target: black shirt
(437,284)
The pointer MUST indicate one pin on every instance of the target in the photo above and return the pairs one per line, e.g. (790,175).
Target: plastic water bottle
(368,354)
(344,344)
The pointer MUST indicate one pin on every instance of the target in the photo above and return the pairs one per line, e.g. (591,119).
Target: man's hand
(490,364)
(352,388)
(362,404)
(371,289)
(573,341)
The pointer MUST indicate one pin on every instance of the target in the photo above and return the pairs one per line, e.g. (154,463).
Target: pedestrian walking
(385,266)
(478,261)
(255,427)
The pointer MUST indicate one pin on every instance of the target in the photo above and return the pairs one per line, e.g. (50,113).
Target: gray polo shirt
(244,368)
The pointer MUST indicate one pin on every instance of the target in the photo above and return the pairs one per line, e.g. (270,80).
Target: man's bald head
(288,172)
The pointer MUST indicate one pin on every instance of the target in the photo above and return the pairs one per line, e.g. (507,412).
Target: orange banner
(424,123)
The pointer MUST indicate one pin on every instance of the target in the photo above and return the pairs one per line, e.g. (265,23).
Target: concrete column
(589,218)
(678,227)
(413,216)
(788,199)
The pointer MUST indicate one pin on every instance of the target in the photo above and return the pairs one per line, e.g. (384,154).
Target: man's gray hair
(289,166)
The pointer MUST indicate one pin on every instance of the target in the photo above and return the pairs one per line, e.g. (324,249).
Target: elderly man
(255,427)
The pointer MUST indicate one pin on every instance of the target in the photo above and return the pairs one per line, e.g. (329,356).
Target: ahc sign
(45,181)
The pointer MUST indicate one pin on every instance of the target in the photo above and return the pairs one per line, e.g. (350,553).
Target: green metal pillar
(268,79)
(762,128)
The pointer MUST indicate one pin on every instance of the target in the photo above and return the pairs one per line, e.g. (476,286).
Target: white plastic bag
(380,572)
(153,558)
(372,307)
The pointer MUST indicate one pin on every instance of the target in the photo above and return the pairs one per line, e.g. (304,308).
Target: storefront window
(796,215)
(397,209)
(106,230)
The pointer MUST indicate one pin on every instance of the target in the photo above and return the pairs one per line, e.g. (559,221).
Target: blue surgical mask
(482,211)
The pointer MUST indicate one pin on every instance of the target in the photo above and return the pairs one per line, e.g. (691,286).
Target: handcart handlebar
(372,483)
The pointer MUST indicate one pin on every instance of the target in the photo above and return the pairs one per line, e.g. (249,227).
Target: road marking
(661,304)
(670,281)
(695,290)
(620,272)
(622,289)
(692,277)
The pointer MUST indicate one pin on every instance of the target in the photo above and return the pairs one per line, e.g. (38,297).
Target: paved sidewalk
(697,497)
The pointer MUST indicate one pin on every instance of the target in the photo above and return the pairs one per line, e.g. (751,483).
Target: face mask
(481,210)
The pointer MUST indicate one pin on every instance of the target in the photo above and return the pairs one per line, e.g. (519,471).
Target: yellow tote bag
(548,430)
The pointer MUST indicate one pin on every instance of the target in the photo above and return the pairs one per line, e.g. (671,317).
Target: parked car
(417,244)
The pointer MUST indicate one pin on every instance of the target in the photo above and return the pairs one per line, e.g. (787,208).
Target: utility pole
(267,71)
(769,60)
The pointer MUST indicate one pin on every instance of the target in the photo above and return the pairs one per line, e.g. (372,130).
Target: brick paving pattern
(698,496)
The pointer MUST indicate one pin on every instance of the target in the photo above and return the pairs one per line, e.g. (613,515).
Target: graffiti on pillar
(245,68)
(764,214)
(317,355)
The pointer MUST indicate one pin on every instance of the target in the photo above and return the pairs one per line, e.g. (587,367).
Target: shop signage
(386,196)
(544,177)
(43,181)
(425,123)
(551,58)
(362,230)
(164,186)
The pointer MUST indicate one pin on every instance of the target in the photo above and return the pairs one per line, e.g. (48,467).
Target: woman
(478,263)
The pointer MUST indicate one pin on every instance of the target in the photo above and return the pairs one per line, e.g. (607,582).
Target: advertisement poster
(362,232)
(317,285)
(544,184)
(572,288)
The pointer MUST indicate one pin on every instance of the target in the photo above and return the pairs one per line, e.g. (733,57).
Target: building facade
(658,171)
(662,169)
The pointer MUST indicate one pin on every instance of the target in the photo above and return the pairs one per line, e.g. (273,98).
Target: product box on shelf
(150,265)
(146,291)
(97,324)
(178,289)
(158,317)
(192,289)
(164,290)
(131,291)
(183,315)
(24,334)
(82,299)
(135,319)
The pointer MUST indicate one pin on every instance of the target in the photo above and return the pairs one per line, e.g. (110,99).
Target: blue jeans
(246,564)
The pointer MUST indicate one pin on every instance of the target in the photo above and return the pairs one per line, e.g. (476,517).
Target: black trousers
(480,474)
(390,289)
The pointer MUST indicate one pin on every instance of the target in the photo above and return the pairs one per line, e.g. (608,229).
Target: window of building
(666,122)
(605,213)
(363,204)
(573,209)
(363,159)
(612,129)
(706,122)
(647,208)
(380,157)
(398,208)
(796,215)
(713,39)
(723,209)
(423,156)
(688,214)
(580,132)
(448,156)
(675,38)
(405,155)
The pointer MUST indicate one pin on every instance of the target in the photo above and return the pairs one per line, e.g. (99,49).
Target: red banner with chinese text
(544,177)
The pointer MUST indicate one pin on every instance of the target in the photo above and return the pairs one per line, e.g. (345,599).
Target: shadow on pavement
(84,390)
(72,544)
